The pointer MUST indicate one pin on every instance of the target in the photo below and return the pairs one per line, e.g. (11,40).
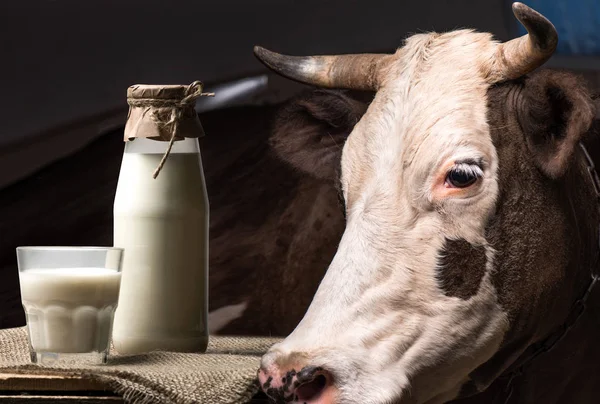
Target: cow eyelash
(463,175)
(469,168)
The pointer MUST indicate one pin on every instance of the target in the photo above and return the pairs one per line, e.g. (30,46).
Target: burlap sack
(226,373)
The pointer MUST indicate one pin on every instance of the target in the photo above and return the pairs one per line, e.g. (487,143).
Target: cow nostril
(311,390)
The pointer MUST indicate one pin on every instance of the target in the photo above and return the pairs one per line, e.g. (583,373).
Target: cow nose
(310,385)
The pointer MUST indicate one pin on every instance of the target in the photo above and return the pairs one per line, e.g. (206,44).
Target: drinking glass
(69,295)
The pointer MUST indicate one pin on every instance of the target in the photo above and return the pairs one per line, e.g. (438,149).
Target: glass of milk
(69,295)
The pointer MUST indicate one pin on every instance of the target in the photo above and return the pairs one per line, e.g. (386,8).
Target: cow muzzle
(297,384)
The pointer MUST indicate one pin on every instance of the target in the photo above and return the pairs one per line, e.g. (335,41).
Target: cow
(466,269)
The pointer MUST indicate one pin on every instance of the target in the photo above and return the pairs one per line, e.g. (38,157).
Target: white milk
(69,310)
(162,224)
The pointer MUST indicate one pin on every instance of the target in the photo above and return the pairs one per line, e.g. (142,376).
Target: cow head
(464,244)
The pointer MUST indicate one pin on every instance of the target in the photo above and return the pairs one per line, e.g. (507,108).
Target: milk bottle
(161,214)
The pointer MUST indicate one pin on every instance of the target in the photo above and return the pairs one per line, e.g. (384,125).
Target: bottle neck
(149,146)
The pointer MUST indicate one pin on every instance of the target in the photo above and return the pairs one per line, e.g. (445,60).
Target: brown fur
(461,268)
(307,134)
(544,231)
(556,112)
(300,138)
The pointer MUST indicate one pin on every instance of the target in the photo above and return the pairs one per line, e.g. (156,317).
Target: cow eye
(463,175)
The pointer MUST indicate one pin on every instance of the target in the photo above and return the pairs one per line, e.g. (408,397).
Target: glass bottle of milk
(161,215)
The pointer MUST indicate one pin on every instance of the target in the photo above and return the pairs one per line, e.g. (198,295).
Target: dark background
(66,60)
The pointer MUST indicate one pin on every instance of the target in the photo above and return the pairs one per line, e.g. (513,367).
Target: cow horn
(522,55)
(358,72)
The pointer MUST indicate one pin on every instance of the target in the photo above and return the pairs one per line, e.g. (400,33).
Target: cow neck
(578,308)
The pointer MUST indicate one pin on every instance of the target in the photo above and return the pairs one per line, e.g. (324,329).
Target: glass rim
(69,248)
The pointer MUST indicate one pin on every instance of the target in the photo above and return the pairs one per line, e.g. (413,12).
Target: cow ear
(558,112)
(309,131)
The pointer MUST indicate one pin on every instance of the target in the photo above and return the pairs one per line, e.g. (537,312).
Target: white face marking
(379,317)
(219,318)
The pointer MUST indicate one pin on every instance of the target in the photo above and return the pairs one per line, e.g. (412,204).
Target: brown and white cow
(472,229)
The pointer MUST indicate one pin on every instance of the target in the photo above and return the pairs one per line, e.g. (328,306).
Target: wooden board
(31,388)
(42,399)
(19,382)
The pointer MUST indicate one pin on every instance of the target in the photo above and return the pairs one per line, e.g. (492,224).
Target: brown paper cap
(161,92)
(151,108)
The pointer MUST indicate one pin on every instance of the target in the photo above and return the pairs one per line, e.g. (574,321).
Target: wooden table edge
(63,388)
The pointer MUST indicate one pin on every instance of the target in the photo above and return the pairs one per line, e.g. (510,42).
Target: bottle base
(62,358)
(139,345)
